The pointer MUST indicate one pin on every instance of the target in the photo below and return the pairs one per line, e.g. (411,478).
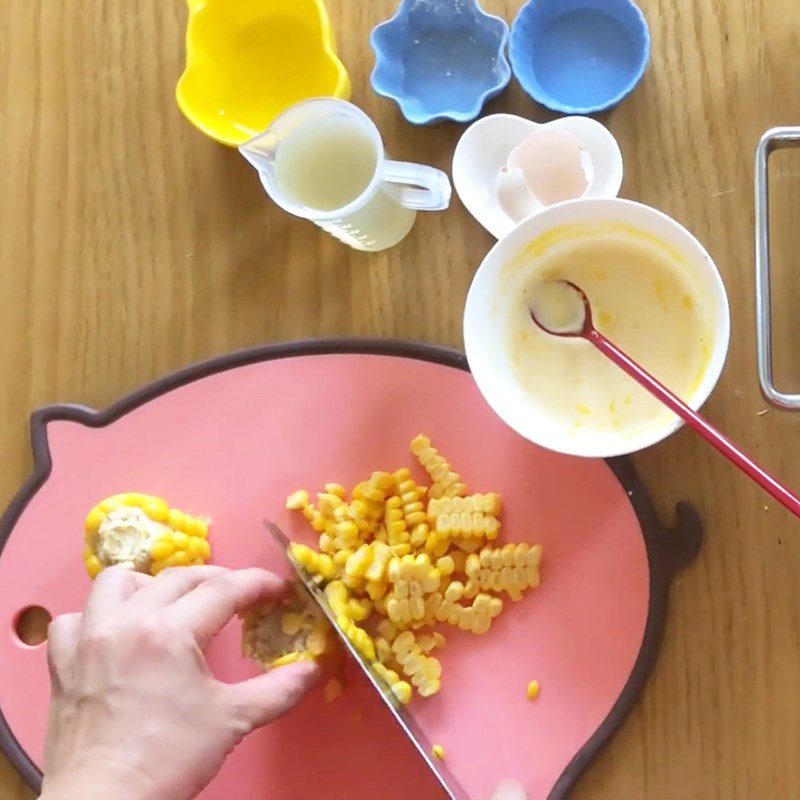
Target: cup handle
(430,188)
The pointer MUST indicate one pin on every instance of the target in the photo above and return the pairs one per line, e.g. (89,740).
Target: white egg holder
(499,199)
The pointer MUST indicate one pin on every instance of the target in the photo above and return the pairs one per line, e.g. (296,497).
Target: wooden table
(131,245)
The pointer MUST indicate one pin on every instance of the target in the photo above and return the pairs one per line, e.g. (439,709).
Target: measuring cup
(323,160)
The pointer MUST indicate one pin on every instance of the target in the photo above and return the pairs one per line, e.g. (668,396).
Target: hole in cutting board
(31,625)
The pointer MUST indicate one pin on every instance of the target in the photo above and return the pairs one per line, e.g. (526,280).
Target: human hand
(135,712)
(509,790)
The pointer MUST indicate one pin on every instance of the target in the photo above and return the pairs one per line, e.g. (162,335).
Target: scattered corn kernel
(438,752)
(533,690)
(333,690)
(297,500)
(447,482)
(395,559)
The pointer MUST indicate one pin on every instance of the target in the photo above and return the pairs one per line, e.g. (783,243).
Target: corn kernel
(289,658)
(176,519)
(333,690)
(402,691)
(415,557)
(93,520)
(180,540)
(93,566)
(533,690)
(297,500)
(317,641)
(162,549)
(447,483)
(203,549)
(438,752)
(429,688)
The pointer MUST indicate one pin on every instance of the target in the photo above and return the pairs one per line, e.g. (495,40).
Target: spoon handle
(691,417)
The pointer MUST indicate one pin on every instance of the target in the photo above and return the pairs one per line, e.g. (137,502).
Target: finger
(168,586)
(112,587)
(263,699)
(62,639)
(208,608)
(509,790)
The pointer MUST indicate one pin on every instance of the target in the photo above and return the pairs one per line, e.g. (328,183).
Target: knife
(409,727)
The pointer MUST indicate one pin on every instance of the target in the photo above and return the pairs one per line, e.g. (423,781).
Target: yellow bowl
(249,60)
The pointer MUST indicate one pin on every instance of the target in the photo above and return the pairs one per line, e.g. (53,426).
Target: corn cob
(293,630)
(142,532)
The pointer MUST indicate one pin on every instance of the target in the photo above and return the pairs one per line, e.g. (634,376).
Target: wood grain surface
(131,245)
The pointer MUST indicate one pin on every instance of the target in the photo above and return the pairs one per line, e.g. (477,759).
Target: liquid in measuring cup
(327,166)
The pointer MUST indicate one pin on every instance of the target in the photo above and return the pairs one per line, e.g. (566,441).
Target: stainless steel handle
(774,139)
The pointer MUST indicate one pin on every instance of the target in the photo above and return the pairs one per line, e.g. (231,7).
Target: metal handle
(774,139)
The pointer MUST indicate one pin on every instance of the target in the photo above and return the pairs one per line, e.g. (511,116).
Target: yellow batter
(643,297)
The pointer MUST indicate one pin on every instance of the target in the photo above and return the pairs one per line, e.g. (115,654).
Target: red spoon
(579,324)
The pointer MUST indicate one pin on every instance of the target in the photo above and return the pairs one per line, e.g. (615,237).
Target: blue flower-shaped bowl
(579,56)
(440,59)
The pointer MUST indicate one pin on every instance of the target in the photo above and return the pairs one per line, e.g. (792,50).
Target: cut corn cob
(277,634)
(142,532)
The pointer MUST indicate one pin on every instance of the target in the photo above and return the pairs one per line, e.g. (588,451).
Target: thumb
(262,700)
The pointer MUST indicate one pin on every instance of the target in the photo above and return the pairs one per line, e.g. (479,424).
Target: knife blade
(398,711)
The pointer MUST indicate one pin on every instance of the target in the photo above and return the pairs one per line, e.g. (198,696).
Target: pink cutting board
(231,437)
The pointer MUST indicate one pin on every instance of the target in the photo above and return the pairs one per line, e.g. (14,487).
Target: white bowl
(486,314)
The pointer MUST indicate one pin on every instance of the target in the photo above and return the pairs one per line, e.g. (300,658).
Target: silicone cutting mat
(231,437)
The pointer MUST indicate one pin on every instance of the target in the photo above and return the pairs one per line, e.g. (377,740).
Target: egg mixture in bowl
(654,291)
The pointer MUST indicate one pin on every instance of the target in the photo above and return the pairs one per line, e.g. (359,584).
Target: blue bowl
(579,56)
(440,59)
